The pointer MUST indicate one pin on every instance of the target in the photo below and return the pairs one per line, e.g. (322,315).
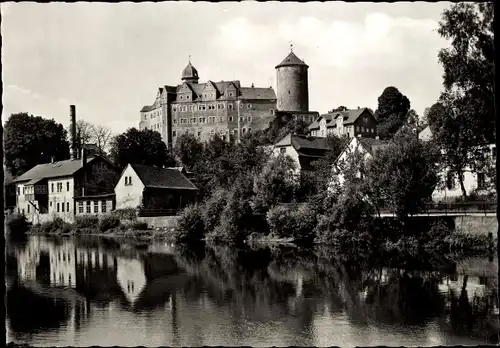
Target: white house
(364,147)
(153,188)
(303,149)
(131,276)
(449,185)
(353,123)
(48,190)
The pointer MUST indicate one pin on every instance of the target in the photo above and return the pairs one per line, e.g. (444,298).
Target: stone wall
(477,224)
(292,88)
(160,221)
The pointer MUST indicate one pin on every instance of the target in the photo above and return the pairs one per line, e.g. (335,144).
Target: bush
(17,224)
(436,236)
(468,242)
(125,214)
(87,221)
(53,226)
(298,224)
(213,208)
(191,226)
(108,222)
(140,226)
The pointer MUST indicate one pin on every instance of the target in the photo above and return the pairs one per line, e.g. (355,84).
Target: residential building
(227,108)
(364,147)
(351,123)
(473,180)
(304,150)
(51,189)
(153,188)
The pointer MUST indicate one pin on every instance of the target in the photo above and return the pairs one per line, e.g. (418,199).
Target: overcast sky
(109,59)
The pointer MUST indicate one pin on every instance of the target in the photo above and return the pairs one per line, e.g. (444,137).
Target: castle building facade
(226,108)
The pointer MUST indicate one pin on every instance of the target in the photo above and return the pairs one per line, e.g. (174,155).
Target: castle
(226,108)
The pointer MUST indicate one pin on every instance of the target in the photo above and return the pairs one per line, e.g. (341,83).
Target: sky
(109,59)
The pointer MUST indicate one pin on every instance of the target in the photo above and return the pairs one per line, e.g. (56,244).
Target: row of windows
(212,132)
(203,107)
(88,207)
(211,119)
(363,129)
(59,187)
(60,207)
(205,95)
(153,114)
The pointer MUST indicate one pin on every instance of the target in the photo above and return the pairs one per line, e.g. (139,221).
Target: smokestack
(72,112)
(52,159)
(84,157)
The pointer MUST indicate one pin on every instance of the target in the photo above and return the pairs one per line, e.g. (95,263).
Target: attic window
(230,94)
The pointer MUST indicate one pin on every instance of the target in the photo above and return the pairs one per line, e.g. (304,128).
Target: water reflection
(85,292)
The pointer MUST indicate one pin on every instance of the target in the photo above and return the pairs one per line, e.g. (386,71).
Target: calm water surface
(83,292)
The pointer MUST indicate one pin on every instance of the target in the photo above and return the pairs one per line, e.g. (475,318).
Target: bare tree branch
(102,136)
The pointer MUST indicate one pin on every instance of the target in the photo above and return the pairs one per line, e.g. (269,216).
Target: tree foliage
(189,150)
(279,127)
(469,63)
(30,140)
(140,147)
(392,112)
(403,175)
(340,108)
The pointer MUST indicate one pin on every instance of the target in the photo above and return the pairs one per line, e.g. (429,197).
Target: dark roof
(291,60)
(304,142)
(189,72)
(256,93)
(53,170)
(162,177)
(371,145)
(349,116)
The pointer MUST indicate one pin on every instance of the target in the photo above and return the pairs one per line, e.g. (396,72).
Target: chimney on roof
(252,85)
(358,107)
(72,112)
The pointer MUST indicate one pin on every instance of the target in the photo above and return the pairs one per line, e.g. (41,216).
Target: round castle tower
(292,84)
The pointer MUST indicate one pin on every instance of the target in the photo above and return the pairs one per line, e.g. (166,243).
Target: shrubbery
(86,221)
(191,226)
(213,208)
(125,214)
(108,222)
(56,225)
(17,224)
(297,224)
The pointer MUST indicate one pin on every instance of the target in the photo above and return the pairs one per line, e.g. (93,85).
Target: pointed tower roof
(190,72)
(291,60)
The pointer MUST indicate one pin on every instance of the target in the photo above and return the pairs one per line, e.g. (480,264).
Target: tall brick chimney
(74,150)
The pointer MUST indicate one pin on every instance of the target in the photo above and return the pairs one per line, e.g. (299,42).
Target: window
(80,207)
(272,111)
(96,206)
(249,118)
(18,190)
(58,207)
(282,150)
(202,107)
(200,120)
(241,106)
(174,109)
(230,106)
(220,119)
(481,181)
(28,208)
(67,186)
(242,119)
(50,204)
(193,120)
(52,187)
(67,206)
(88,207)
(173,133)
(103,206)
(62,207)
(249,106)
(230,118)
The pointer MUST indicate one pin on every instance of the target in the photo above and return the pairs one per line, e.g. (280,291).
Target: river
(93,291)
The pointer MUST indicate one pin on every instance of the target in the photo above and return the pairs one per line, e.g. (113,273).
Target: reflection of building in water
(64,259)
(475,286)
(131,277)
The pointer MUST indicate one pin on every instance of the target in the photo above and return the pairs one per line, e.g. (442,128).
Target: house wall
(61,202)
(365,125)
(353,146)
(289,151)
(88,206)
(443,192)
(129,196)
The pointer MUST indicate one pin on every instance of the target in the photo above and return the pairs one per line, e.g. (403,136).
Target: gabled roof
(371,145)
(349,117)
(162,178)
(291,60)
(304,143)
(54,170)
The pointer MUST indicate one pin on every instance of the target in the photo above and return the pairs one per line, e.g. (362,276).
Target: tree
(280,126)
(102,136)
(30,140)
(340,108)
(403,175)
(392,112)
(140,147)
(189,150)
(469,62)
